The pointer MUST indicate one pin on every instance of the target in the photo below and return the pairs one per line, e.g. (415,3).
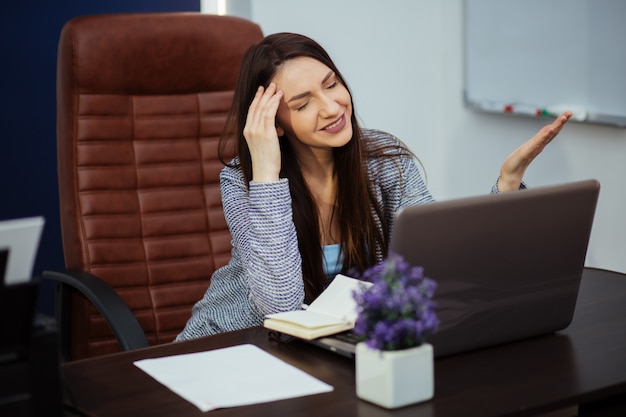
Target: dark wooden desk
(583,364)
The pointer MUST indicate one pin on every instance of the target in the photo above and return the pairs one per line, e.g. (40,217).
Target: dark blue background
(28,179)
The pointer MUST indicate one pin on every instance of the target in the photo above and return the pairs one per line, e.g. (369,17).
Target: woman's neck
(319,174)
(318,170)
(318,164)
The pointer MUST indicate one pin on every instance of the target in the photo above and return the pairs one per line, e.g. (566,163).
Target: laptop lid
(19,241)
(508,266)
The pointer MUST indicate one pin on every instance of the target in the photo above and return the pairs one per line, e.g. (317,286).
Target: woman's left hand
(514,167)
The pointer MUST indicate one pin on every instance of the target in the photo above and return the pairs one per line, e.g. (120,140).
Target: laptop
(508,266)
(19,242)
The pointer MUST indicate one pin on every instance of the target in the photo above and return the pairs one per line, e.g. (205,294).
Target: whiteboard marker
(522,109)
(510,108)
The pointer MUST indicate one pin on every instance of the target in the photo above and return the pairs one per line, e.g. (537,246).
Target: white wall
(403,60)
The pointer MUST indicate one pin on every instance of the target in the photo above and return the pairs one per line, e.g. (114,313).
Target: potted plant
(394,364)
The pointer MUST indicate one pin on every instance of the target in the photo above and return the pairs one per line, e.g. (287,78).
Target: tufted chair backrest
(141,103)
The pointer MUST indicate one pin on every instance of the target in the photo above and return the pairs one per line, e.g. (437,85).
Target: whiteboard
(538,57)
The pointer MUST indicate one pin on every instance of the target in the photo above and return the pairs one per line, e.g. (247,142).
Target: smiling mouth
(334,124)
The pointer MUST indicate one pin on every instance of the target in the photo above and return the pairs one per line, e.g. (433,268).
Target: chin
(343,138)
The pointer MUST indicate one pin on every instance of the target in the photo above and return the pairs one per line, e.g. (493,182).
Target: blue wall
(29,32)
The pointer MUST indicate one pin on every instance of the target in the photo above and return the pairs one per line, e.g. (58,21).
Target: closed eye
(302,107)
(330,80)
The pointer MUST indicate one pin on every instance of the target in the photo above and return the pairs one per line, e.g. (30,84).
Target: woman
(311,194)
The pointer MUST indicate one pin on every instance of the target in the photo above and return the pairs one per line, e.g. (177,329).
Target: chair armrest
(120,318)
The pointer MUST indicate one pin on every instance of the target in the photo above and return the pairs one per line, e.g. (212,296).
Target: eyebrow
(306,93)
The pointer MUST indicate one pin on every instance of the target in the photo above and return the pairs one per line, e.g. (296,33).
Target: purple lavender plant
(397,311)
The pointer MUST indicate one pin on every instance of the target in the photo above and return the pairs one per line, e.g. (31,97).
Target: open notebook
(332,312)
(508,266)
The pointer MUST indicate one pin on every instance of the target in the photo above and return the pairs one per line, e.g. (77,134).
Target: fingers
(548,132)
(262,112)
(558,123)
(261,134)
(516,163)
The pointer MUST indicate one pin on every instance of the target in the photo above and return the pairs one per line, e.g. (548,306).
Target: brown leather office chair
(141,102)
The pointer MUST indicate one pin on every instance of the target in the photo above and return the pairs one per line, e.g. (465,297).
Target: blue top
(333,260)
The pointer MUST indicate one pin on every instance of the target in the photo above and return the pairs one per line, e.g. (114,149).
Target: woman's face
(316,107)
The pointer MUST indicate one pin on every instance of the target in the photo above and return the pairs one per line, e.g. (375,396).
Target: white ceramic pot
(394,379)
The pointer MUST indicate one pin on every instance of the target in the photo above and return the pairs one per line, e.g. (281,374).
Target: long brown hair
(361,221)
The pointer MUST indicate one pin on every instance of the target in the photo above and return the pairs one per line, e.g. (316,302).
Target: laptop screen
(19,240)
(4,254)
(508,266)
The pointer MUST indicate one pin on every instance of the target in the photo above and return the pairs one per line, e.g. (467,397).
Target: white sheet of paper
(230,377)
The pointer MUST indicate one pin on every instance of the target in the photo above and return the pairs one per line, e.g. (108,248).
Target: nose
(329,107)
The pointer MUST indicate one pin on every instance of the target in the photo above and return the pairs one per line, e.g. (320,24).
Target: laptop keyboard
(348,337)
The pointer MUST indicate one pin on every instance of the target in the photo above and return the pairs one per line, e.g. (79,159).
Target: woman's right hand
(261,134)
